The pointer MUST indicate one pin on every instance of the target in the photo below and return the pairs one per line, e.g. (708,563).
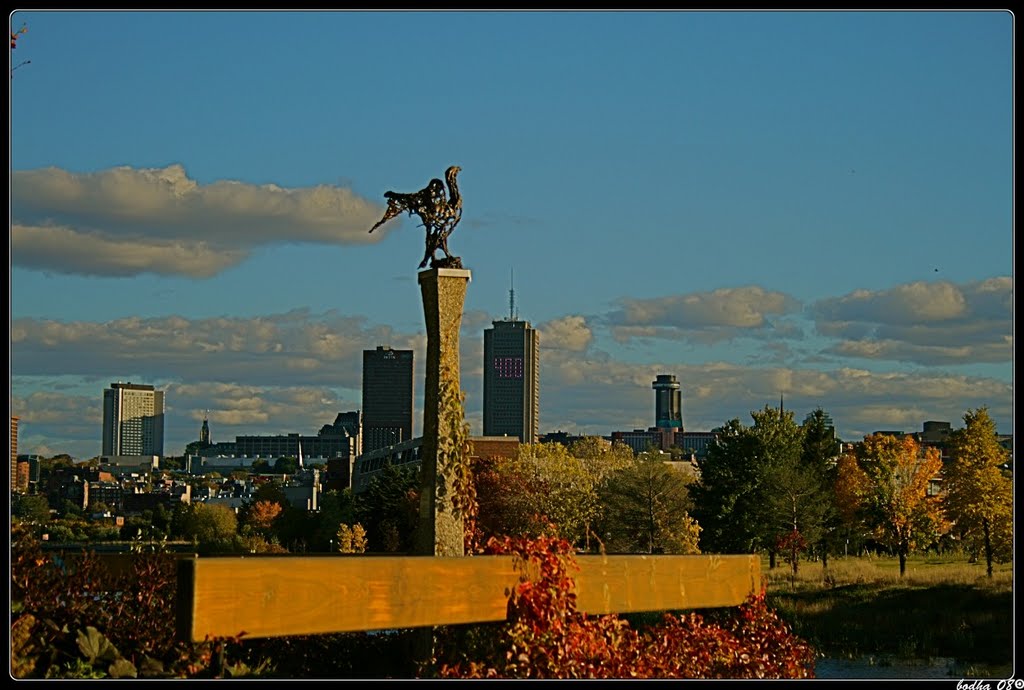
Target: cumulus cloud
(593,395)
(704,317)
(125,221)
(927,323)
(567,333)
(296,347)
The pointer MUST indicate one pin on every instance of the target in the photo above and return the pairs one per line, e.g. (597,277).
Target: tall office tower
(668,402)
(387,397)
(133,420)
(14,452)
(512,380)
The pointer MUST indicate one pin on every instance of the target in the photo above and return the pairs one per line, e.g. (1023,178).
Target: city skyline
(810,204)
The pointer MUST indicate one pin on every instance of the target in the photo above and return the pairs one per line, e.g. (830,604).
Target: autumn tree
(506,504)
(350,538)
(646,509)
(261,515)
(978,496)
(850,494)
(897,504)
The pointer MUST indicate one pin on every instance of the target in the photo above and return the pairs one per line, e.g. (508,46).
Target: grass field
(943,607)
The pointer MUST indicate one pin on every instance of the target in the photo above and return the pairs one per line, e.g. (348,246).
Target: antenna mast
(511,296)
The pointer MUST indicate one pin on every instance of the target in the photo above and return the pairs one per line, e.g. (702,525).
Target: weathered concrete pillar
(440,529)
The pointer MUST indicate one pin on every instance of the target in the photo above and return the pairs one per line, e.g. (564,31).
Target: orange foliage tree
(895,500)
(262,514)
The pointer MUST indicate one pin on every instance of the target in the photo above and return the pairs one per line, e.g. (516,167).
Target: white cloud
(926,323)
(567,333)
(125,221)
(705,317)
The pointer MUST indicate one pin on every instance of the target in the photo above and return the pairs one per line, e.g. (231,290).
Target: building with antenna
(512,377)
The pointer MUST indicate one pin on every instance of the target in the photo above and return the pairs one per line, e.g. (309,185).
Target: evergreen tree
(725,496)
(389,508)
(819,456)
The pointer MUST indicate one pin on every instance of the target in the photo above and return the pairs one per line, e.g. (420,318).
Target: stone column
(440,531)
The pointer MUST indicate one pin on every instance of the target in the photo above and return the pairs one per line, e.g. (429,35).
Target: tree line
(773,487)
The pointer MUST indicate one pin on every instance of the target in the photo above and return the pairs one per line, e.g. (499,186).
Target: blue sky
(810,204)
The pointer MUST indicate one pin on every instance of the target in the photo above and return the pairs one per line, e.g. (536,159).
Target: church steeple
(204,433)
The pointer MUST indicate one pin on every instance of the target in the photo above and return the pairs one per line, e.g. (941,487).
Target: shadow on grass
(962,622)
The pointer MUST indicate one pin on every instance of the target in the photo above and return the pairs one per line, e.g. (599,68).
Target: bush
(546,637)
(74,618)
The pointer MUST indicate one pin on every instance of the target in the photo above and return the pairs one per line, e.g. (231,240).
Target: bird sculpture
(438,213)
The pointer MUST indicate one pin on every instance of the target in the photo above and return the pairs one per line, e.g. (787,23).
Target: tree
(32,508)
(600,457)
(506,505)
(389,509)
(351,539)
(979,497)
(821,450)
(753,490)
(646,508)
(567,488)
(850,492)
(286,466)
(211,526)
(261,515)
(725,495)
(897,503)
(785,499)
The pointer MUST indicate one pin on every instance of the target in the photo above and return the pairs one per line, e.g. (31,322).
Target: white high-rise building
(133,420)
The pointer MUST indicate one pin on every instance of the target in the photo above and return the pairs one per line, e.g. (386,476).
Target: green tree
(336,507)
(979,497)
(210,526)
(286,466)
(389,509)
(819,456)
(725,496)
(646,509)
(567,488)
(32,508)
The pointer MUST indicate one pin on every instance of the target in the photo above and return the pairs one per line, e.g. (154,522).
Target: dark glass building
(387,397)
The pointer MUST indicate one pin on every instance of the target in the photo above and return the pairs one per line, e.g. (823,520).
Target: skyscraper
(512,380)
(133,420)
(387,397)
(668,402)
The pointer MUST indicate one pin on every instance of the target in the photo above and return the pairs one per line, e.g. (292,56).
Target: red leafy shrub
(547,637)
(55,600)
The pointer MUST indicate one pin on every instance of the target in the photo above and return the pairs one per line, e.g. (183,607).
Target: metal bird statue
(438,213)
